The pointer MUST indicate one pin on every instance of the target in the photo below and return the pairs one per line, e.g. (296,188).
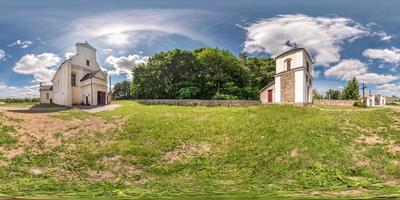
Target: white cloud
(123,65)
(349,68)
(40,66)
(391,55)
(18,92)
(125,28)
(384,36)
(22,44)
(322,36)
(69,55)
(389,89)
(2,54)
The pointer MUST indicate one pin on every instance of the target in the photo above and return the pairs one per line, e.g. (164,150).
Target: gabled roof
(46,87)
(293,50)
(267,86)
(90,75)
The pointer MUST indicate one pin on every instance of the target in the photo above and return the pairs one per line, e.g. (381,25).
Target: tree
(203,73)
(351,91)
(121,90)
(333,94)
(316,95)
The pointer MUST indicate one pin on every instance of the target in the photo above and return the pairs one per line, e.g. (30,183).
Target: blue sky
(346,38)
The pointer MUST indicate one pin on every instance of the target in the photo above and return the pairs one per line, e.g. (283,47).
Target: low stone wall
(332,102)
(198,102)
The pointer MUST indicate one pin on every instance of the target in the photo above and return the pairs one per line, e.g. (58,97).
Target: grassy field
(142,151)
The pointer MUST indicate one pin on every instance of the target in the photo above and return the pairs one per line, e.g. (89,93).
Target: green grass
(18,105)
(183,151)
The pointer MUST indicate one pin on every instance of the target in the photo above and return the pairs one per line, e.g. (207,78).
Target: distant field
(164,151)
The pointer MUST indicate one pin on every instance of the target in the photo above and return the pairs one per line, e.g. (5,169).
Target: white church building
(293,80)
(79,80)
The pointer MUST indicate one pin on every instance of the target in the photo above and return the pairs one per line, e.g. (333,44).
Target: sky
(346,38)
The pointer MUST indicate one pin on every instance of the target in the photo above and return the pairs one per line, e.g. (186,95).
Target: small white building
(79,80)
(375,100)
(293,79)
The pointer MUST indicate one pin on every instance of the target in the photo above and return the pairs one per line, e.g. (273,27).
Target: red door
(270,96)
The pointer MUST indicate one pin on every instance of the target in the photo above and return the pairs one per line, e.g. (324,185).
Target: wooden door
(270,96)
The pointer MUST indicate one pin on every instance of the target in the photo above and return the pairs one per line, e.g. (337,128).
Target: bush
(359,104)
(188,92)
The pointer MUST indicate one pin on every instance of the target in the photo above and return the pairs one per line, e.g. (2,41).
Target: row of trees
(19,100)
(205,73)
(350,92)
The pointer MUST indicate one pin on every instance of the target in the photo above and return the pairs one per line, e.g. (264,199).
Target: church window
(288,64)
(73,80)
(47,96)
(87,62)
(308,66)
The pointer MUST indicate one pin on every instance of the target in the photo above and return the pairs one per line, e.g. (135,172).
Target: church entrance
(101,98)
(269,97)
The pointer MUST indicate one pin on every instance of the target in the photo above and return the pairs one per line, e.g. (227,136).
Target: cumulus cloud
(322,36)
(349,68)
(389,89)
(391,55)
(18,92)
(21,43)
(123,65)
(2,54)
(41,66)
(69,55)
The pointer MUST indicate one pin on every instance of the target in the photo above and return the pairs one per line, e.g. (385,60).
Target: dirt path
(39,132)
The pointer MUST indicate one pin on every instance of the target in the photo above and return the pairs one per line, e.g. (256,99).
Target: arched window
(288,64)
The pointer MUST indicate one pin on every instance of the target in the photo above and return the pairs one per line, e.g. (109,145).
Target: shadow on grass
(40,108)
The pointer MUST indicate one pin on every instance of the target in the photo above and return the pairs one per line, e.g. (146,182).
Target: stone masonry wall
(287,88)
(332,102)
(200,102)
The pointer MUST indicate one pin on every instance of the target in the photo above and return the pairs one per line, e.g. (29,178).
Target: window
(47,96)
(308,66)
(288,64)
(73,80)
(87,62)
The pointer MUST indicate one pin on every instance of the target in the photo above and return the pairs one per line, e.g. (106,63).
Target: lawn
(18,105)
(153,151)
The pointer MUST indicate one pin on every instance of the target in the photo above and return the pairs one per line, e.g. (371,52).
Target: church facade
(293,80)
(79,80)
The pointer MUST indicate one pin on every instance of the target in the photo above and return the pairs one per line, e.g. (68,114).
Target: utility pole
(363,89)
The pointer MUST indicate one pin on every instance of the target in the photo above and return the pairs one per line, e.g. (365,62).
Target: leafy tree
(316,95)
(333,94)
(122,90)
(351,91)
(203,73)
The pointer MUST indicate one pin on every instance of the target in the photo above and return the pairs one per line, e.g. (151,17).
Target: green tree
(333,94)
(351,91)
(121,90)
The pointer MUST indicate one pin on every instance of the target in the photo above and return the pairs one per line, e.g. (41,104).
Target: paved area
(96,109)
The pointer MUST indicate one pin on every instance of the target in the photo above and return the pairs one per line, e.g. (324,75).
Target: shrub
(359,104)
(220,96)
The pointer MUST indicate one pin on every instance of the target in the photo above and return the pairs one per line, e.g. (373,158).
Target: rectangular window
(47,96)
(87,62)
(73,80)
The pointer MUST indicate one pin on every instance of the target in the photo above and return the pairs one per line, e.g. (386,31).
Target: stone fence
(333,102)
(200,102)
